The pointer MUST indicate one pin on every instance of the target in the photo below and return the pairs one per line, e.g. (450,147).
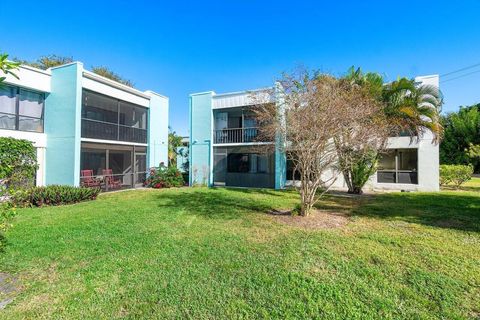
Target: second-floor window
(107,118)
(21,109)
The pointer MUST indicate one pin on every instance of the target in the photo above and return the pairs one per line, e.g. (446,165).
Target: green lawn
(214,253)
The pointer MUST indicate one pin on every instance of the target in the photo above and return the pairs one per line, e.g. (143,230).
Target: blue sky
(181,47)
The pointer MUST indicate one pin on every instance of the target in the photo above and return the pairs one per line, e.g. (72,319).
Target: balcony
(111,131)
(235,135)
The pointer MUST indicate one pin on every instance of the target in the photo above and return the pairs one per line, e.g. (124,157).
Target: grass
(213,253)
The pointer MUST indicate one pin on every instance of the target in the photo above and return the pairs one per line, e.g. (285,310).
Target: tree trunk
(308,199)
(355,190)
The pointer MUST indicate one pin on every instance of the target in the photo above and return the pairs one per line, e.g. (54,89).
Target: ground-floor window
(247,162)
(112,167)
(398,166)
(290,171)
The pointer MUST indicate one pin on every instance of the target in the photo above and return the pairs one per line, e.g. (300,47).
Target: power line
(459,70)
(463,75)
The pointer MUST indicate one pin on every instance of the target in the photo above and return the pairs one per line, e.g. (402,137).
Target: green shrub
(7,212)
(163,177)
(18,162)
(455,174)
(54,195)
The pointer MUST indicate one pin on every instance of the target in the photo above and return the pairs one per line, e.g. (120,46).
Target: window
(99,107)
(107,118)
(21,109)
(262,163)
(238,162)
(133,116)
(247,163)
(398,166)
(290,167)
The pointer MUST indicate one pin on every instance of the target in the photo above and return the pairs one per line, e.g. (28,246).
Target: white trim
(65,65)
(221,95)
(202,93)
(150,92)
(45,72)
(93,76)
(114,142)
(242,144)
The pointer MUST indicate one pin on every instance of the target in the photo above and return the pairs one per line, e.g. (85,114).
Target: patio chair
(88,180)
(110,181)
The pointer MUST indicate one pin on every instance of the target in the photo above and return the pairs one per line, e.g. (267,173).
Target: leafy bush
(18,162)
(462,128)
(7,212)
(163,177)
(54,195)
(455,174)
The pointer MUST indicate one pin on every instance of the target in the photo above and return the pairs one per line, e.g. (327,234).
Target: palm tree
(412,108)
(174,141)
(407,108)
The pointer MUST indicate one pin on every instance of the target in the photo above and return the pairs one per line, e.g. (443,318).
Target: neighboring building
(182,155)
(88,130)
(223,151)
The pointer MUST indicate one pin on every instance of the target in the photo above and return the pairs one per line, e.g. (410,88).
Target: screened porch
(112,167)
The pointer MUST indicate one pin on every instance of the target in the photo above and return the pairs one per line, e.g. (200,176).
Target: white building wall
(427,165)
(30,78)
(38,80)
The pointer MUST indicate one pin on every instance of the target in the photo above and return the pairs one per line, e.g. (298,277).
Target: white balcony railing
(235,135)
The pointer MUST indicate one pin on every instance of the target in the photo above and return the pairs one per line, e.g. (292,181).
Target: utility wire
(459,70)
(463,75)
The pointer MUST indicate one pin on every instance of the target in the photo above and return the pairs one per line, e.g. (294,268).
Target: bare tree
(363,136)
(302,122)
(316,119)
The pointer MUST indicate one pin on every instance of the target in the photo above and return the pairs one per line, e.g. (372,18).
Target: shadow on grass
(462,188)
(221,203)
(3,242)
(451,210)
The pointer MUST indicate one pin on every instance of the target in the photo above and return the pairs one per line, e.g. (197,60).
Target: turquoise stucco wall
(157,150)
(200,151)
(62,125)
(280,157)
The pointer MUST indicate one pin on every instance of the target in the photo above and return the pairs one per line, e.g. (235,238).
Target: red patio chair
(88,180)
(110,181)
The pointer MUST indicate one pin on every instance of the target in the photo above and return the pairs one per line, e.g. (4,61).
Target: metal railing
(111,131)
(114,182)
(236,135)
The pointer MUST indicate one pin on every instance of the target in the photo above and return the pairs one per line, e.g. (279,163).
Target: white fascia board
(30,78)
(114,142)
(153,93)
(118,92)
(246,144)
(203,93)
(236,93)
(115,84)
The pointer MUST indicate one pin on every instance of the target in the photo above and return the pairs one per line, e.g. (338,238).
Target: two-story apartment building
(224,152)
(87,129)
